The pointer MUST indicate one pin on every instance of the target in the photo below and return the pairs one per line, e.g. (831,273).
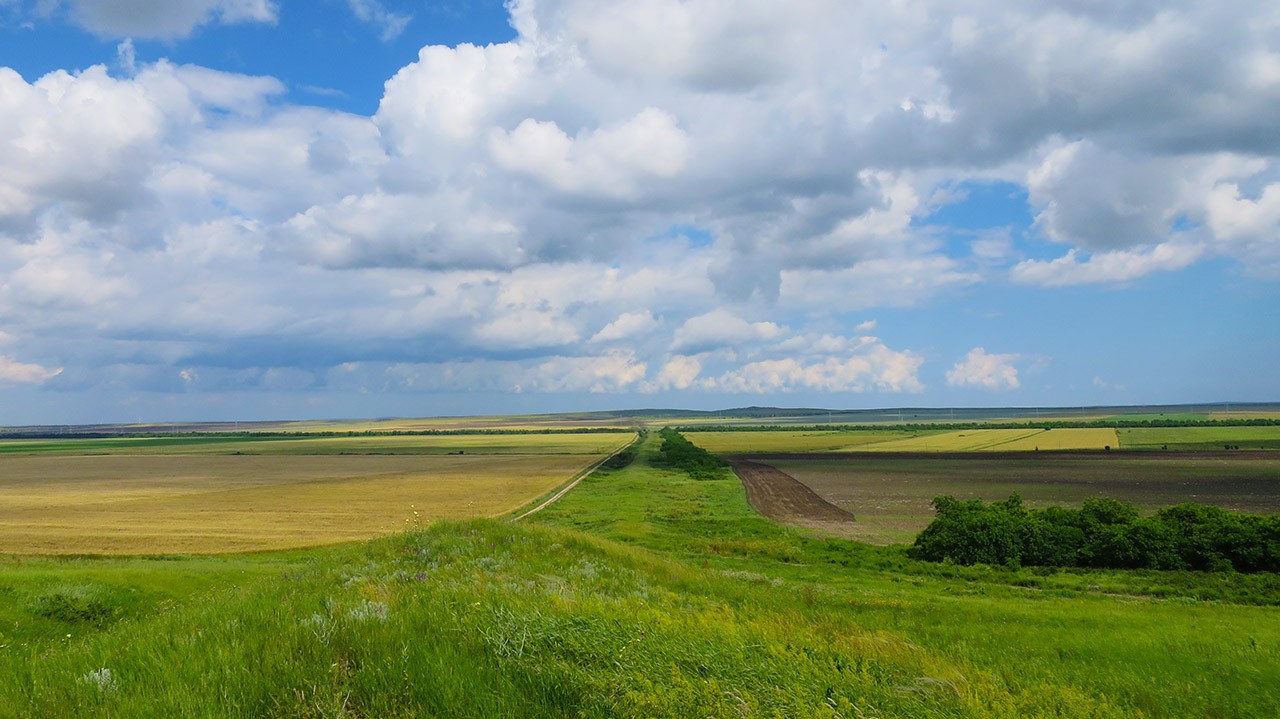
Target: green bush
(1102,533)
(684,455)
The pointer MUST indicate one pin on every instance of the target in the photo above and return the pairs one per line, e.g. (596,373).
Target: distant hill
(753,415)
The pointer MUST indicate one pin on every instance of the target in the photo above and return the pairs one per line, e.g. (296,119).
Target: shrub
(1103,533)
(684,455)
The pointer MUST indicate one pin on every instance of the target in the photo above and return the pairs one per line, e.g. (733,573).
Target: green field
(642,593)
(1193,438)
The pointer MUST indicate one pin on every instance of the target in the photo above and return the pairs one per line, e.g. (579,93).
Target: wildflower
(100,678)
(368,610)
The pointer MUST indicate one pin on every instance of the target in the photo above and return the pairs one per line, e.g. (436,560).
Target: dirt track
(780,497)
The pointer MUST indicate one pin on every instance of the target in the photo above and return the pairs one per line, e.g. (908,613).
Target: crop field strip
(592,444)
(1027,439)
(251,496)
(791,441)
(1000,440)
(897,440)
(1212,438)
(890,494)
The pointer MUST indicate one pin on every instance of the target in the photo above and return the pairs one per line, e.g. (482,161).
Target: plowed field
(780,497)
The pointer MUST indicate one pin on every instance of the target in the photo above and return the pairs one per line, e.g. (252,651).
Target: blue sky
(251,209)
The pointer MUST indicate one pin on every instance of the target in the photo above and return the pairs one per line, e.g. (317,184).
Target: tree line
(680,453)
(1102,533)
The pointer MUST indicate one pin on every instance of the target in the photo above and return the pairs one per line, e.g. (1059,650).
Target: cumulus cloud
(12,370)
(679,372)
(987,371)
(873,368)
(628,324)
(720,328)
(504,218)
(611,160)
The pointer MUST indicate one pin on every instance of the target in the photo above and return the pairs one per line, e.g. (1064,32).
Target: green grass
(1055,634)
(641,594)
(1203,438)
(57,599)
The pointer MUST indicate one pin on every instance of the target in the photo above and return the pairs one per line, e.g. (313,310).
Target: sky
(275,209)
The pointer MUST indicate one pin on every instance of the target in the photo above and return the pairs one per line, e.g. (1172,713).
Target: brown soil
(780,497)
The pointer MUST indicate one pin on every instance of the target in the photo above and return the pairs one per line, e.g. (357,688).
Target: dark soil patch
(780,497)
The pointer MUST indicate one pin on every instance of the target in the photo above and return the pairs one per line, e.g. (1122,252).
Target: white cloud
(612,160)
(392,24)
(720,328)
(627,325)
(875,368)
(12,370)
(507,202)
(679,372)
(987,371)
(1115,266)
(1247,227)
(868,326)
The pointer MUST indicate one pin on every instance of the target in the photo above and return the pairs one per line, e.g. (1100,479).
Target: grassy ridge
(1062,643)
(645,593)
(483,619)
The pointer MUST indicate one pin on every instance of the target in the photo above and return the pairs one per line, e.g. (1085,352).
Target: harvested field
(586,444)
(220,503)
(781,498)
(891,494)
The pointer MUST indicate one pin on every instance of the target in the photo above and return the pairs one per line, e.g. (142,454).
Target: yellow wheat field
(1001,440)
(791,441)
(156,504)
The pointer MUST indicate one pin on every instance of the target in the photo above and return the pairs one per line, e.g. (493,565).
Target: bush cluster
(1102,533)
(682,454)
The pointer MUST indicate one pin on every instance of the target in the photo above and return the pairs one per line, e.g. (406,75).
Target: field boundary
(574,482)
